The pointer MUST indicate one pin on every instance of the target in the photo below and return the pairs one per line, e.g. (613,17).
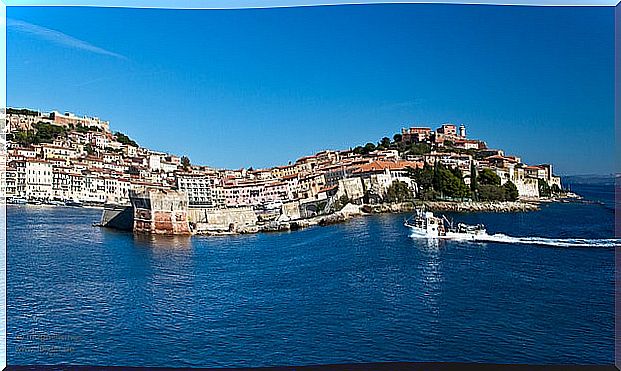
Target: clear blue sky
(261,87)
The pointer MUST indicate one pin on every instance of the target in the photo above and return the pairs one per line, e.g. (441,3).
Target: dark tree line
(124,139)
(487,187)
(399,192)
(22,111)
(396,143)
(440,182)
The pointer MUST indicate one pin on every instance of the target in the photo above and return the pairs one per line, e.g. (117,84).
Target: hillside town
(62,158)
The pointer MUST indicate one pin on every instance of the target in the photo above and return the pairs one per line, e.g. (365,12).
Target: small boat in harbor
(424,224)
(17,201)
(73,203)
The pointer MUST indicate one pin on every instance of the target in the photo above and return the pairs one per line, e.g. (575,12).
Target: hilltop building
(415,135)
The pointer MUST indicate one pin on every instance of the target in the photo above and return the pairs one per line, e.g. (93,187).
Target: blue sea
(362,291)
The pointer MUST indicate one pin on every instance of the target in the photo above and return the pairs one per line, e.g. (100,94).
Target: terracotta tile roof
(307,158)
(329,188)
(504,158)
(382,165)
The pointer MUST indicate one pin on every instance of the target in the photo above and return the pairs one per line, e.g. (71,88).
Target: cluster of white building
(92,166)
(89,166)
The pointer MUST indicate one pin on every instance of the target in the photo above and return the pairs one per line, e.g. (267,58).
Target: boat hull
(422,233)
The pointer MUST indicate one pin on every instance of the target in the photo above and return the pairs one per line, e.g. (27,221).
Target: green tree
(423,178)
(42,132)
(419,149)
(368,148)
(510,191)
(489,177)
(22,111)
(449,183)
(473,180)
(23,138)
(185,162)
(124,139)
(89,149)
(385,142)
(457,172)
(397,138)
(490,192)
(544,188)
(399,192)
(46,133)
(428,195)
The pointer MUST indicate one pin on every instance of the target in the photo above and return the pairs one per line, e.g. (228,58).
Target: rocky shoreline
(351,211)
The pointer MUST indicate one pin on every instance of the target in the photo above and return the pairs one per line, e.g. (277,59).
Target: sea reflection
(163,242)
(431,273)
(430,244)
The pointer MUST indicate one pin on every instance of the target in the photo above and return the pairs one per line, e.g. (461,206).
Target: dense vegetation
(399,192)
(23,111)
(415,149)
(124,139)
(396,144)
(440,182)
(487,187)
(42,133)
(546,191)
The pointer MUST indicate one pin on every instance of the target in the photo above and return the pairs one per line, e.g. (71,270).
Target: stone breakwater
(466,206)
(348,212)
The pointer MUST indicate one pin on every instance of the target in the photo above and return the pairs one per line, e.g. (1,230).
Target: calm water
(356,292)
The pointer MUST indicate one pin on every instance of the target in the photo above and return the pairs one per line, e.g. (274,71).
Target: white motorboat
(424,224)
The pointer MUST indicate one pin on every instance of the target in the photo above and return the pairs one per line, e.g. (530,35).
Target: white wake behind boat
(424,224)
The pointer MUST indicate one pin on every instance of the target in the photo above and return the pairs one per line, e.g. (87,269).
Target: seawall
(455,206)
